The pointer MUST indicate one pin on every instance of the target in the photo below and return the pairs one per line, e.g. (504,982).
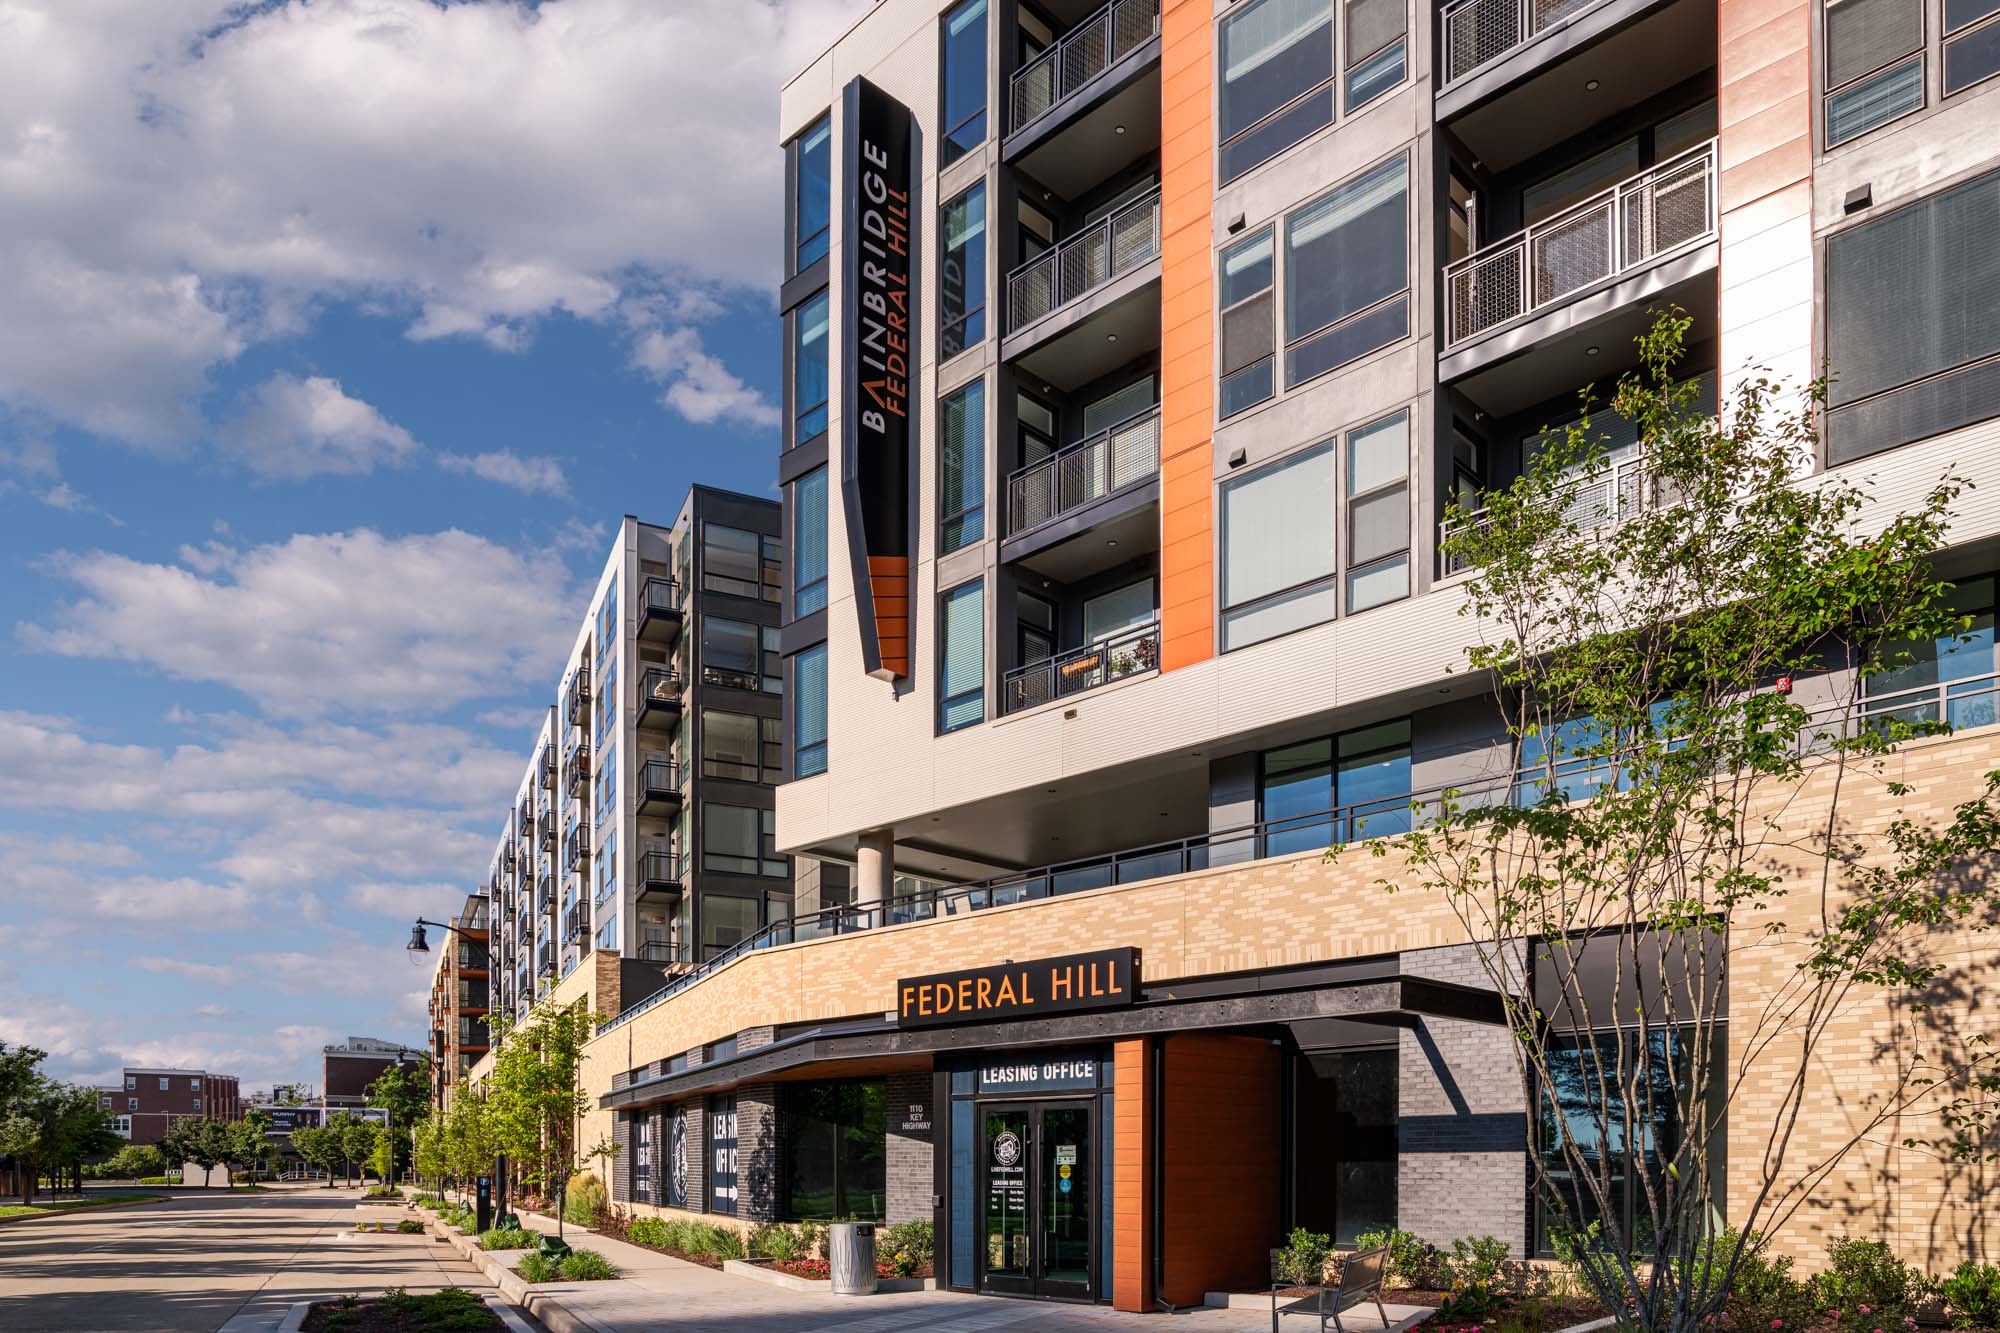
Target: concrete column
(874,867)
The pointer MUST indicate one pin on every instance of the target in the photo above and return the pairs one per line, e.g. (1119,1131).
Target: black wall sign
(1106,979)
(878,367)
(1039,1071)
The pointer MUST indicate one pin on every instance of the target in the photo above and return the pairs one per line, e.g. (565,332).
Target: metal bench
(1360,1282)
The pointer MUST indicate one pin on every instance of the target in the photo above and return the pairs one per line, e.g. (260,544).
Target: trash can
(850,1254)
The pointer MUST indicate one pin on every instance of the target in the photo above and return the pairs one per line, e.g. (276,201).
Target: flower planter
(765,1271)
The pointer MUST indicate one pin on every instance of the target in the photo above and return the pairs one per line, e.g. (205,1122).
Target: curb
(295,1318)
(760,1271)
(497,1265)
(85,1208)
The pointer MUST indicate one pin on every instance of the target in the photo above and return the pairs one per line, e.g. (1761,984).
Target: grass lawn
(64,1205)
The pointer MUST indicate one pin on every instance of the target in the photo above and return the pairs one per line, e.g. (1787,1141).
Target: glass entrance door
(1037,1207)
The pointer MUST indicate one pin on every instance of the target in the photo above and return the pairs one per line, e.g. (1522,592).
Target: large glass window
(732,746)
(809,520)
(962,672)
(1336,790)
(1375,48)
(1248,323)
(1949,680)
(739,840)
(1378,512)
(730,561)
(809,369)
(962,273)
(607,866)
(835,1150)
(1874,64)
(814,203)
(1971,43)
(1276,84)
(962,467)
(722,1154)
(809,705)
(1914,347)
(964,93)
(1344,1144)
(1347,272)
(729,653)
(1277,549)
(727,921)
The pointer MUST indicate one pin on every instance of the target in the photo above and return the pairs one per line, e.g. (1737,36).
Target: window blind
(1278,528)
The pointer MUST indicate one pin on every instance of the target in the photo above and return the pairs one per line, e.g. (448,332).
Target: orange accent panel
(1131,1181)
(1187,331)
(889,587)
(1220,1165)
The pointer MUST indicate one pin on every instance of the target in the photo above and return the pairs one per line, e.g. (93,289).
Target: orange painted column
(1131,1180)
(1187,324)
(1764,155)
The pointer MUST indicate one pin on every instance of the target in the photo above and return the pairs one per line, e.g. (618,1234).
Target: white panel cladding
(888,769)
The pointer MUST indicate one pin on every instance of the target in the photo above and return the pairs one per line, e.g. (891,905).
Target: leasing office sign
(878,312)
(1106,979)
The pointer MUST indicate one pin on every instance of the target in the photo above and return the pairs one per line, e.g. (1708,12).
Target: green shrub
(1481,1261)
(507,1238)
(410,1226)
(537,1267)
(1972,1295)
(1410,1258)
(647,1231)
(1302,1262)
(586,1266)
(584,1200)
(160,1180)
(1867,1284)
(1470,1303)
(136,1161)
(909,1247)
(1764,1293)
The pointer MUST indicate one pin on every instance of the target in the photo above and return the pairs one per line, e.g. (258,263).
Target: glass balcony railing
(1108,248)
(1085,51)
(1080,669)
(1084,472)
(1633,223)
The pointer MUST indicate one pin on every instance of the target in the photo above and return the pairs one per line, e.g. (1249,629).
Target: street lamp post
(416,948)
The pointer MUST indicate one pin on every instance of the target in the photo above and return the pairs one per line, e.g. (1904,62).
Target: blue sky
(338,337)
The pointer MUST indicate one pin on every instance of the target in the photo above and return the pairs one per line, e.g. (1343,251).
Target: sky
(335,337)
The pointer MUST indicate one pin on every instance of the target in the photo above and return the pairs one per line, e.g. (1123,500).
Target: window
(1971,43)
(813,204)
(194,1085)
(104,1102)
(165,1083)
(607,620)
(1111,614)
(730,653)
(1335,790)
(1374,48)
(1914,349)
(131,1103)
(739,840)
(1874,64)
(962,674)
(1277,549)
(773,569)
(1346,1177)
(131,1083)
(730,561)
(197,1103)
(607,933)
(607,701)
(809,373)
(809,520)
(1378,512)
(122,1124)
(835,1149)
(642,1157)
(962,467)
(964,96)
(1276,83)
(607,785)
(722,1155)
(773,666)
(607,866)
(962,273)
(1950,680)
(726,921)
(809,699)
(1247,323)
(1346,273)
(733,746)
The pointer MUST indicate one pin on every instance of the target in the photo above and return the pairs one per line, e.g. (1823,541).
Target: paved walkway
(660,1294)
(202,1263)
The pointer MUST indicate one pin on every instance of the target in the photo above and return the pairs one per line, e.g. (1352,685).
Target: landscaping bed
(452,1310)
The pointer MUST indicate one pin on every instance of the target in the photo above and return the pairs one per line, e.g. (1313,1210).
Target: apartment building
(147,1101)
(347,1068)
(461,995)
(1132,356)
(641,839)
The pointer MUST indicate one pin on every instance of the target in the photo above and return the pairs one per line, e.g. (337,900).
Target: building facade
(147,1101)
(461,996)
(348,1068)
(1133,355)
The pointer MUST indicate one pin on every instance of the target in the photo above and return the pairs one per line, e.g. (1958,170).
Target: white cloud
(169,199)
(214,974)
(351,620)
(699,386)
(289,429)
(530,476)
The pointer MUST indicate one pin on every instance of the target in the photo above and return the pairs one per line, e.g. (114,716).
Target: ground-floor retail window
(1344,1142)
(722,1155)
(835,1150)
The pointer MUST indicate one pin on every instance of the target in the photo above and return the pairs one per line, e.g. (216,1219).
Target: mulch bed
(817,1270)
(1522,1314)
(377,1316)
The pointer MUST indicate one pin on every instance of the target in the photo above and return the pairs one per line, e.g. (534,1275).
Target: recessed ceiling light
(1111,337)
(1117,129)
(1590,351)
(1110,541)
(1591,86)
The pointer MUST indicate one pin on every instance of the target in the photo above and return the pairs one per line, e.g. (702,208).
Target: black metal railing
(548,829)
(1129,653)
(662,951)
(661,687)
(1106,249)
(579,695)
(1085,472)
(659,778)
(658,595)
(662,870)
(1094,45)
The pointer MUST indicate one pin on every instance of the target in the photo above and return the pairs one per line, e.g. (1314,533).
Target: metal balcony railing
(1605,495)
(1634,222)
(660,685)
(548,829)
(662,870)
(1479,32)
(662,951)
(1108,248)
(659,594)
(546,762)
(525,822)
(1085,51)
(579,696)
(659,777)
(1088,470)
(1080,669)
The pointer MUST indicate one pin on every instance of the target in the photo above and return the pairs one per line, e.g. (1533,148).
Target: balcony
(661,875)
(1090,103)
(545,894)
(579,696)
(659,610)
(545,960)
(663,951)
(576,927)
(659,788)
(579,854)
(546,770)
(660,691)
(1131,653)
(524,822)
(1081,475)
(576,769)
(1079,310)
(1579,280)
(548,831)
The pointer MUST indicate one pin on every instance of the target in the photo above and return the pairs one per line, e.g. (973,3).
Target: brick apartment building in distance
(460,996)
(147,1101)
(1132,353)
(346,1070)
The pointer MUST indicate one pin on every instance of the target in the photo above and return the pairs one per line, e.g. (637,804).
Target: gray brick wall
(757,1160)
(1462,1132)
(908,1099)
(621,1161)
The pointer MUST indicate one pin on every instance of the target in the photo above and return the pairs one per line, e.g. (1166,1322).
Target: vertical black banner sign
(878,318)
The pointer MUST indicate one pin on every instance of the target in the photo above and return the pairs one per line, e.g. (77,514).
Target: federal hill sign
(1106,979)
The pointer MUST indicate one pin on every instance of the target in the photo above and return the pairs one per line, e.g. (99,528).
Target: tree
(136,1161)
(535,1096)
(404,1091)
(429,1150)
(248,1140)
(204,1142)
(318,1146)
(1674,813)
